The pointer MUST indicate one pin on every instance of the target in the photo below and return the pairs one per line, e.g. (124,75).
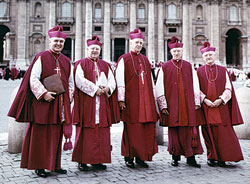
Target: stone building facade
(224,23)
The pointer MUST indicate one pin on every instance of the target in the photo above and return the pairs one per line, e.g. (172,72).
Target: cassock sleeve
(71,84)
(227,94)
(83,84)
(196,88)
(159,91)
(119,75)
(111,82)
(202,96)
(36,86)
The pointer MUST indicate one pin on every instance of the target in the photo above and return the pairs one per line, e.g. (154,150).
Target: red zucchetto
(94,41)
(174,43)
(57,31)
(206,48)
(136,34)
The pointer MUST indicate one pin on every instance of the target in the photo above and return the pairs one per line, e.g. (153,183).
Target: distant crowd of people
(11,73)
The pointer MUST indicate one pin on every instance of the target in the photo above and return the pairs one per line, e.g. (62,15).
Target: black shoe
(141,162)
(222,164)
(174,163)
(192,162)
(42,173)
(175,160)
(129,162)
(99,166)
(211,162)
(61,171)
(83,167)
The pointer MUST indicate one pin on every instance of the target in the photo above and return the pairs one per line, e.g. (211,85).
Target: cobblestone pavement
(159,171)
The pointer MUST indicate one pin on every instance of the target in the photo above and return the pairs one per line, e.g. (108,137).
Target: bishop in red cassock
(221,111)
(177,91)
(49,114)
(95,108)
(137,104)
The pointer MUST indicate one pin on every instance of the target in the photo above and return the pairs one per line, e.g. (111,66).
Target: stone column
(185,31)
(160,32)
(88,22)
(151,30)
(8,45)
(73,50)
(247,18)
(113,50)
(78,36)
(215,27)
(126,46)
(21,35)
(132,15)
(244,52)
(52,14)
(106,35)
(166,50)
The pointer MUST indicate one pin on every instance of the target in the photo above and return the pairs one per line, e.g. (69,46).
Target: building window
(98,11)
(171,11)
(66,9)
(66,28)
(141,11)
(233,13)
(119,10)
(199,12)
(38,10)
(172,30)
(98,28)
(142,29)
(3,9)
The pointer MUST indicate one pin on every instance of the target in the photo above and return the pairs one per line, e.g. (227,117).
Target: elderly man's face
(94,51)
(136,45)
(176,53)
(209,57)
(56,44)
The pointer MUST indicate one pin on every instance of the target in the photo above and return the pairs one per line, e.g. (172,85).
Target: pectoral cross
(57,69)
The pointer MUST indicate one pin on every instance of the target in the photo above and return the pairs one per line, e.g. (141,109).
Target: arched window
(233,13)
(66,9)
(3,9)
(141,11)
(98,11)
(199,12)
(38,9)
(119,10)
(171,11)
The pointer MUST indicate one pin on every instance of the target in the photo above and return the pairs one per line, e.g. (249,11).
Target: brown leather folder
(54,83)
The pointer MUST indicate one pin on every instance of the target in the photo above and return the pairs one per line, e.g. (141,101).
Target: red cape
(78,109)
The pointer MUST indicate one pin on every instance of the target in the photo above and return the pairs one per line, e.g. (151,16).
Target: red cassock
(140,114)
(92,142)
(43,140)
(14,73)
(220,139)
(182,120)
